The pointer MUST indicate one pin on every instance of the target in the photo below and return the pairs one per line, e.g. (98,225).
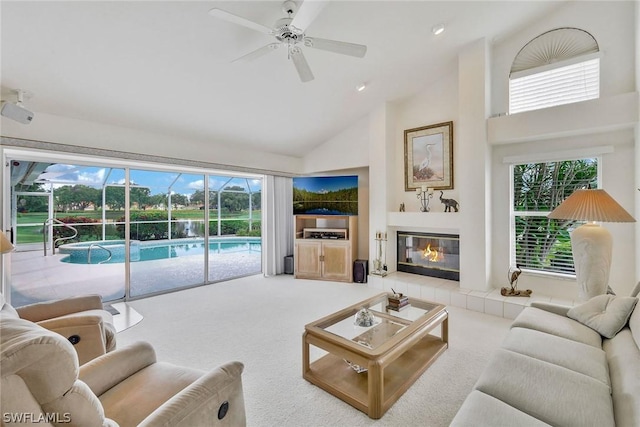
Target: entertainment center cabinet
(325,247)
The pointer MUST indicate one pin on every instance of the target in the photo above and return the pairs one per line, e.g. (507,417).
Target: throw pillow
(606,314)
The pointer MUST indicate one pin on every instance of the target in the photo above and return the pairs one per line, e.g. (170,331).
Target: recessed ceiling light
(437,29)
(361,87)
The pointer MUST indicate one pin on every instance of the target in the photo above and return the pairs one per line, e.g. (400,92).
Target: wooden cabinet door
(306,259)
(336,263)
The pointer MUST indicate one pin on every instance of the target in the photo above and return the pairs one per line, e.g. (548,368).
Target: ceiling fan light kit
(289,31)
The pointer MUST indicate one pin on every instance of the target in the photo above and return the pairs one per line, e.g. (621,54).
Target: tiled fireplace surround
(445,291)
(448,292)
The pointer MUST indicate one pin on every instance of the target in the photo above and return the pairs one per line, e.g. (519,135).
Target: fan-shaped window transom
(558,67)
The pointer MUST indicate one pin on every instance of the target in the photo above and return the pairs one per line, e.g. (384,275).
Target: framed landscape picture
(428,157)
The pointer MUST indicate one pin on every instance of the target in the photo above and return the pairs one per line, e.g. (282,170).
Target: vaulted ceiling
(166,67)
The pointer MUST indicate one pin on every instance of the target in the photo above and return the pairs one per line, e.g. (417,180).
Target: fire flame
(432,255)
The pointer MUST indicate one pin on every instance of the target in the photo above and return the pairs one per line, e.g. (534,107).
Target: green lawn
(33,233)
(41,217)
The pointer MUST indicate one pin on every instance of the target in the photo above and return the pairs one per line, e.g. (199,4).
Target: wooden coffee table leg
(305,354)
(445,330)
(375,377)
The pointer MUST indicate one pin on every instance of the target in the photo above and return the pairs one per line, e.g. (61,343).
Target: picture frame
(428,157)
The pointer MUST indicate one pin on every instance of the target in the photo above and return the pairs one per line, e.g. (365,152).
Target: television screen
(325,195)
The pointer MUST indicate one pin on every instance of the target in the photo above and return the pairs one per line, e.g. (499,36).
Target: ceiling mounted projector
(16,111)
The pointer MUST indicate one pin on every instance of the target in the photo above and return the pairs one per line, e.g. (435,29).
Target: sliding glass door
(167,231)
(65,226)
(127,232)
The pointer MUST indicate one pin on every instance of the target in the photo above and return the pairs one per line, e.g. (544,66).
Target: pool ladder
(60,239)
(101,247)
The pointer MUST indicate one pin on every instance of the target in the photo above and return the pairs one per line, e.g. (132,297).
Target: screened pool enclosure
(125,232)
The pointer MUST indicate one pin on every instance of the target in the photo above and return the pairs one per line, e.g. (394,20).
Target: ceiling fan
(289,32)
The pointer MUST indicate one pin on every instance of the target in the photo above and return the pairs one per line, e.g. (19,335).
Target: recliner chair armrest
(86,333)
(214,399)
(558,309)
(49,309)
(111,368)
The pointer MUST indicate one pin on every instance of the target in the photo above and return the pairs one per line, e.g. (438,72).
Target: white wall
(347,153)
(637,146)
(610,23)
(348,149)
(441,102)
(617,80)
(437,103)
(616,180)
(64,130)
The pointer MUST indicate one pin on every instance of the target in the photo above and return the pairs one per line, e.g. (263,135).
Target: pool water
(78,253)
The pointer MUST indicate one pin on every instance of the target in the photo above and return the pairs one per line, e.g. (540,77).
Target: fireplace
(429,254)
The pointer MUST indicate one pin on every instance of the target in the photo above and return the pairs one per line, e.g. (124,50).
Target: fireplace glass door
(429,254)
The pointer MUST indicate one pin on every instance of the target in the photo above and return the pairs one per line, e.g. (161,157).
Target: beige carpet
(259,321)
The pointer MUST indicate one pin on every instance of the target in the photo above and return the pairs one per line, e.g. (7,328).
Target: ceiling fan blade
(230,17)
(257,53)
(343,48)
(302,66)
(307,13)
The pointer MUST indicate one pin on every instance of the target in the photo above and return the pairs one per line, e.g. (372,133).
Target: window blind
(558,86)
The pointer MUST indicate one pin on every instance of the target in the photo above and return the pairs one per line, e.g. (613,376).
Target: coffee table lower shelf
(332,374)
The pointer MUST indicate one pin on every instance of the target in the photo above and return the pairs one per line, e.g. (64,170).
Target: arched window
(558,67)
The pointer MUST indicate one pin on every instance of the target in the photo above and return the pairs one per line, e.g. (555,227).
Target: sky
(158,182)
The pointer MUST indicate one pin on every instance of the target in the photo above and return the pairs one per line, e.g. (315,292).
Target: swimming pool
(97,252)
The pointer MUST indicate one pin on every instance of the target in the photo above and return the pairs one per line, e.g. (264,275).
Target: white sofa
(553,370)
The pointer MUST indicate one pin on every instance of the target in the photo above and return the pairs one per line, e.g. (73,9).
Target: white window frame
(514,161)
(552,73)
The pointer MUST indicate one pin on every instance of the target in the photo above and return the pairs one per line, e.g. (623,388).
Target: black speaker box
(360,270)
(288,264)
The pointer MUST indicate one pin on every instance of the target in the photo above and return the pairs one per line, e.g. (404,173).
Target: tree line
(80,197)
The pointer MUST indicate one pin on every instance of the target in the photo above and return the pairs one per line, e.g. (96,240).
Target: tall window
(561,66)
(539,243)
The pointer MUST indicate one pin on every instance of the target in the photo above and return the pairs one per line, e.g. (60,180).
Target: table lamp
(5,244)
(590,243)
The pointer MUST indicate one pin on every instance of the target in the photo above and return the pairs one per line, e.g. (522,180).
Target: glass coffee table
(370,367)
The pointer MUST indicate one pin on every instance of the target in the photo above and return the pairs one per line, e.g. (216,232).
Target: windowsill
(580,118)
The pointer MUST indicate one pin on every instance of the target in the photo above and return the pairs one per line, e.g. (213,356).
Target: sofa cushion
(548,392)
(569,354)
(149,388)
(634,325)
(5,308)
(480,409)
(623,356)
(544,321)
(45,361)
(606,314)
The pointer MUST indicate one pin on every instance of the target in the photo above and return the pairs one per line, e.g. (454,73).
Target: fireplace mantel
(443,222)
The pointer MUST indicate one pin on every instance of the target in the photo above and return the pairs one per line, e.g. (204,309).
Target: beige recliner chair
(82,320)
(42,383)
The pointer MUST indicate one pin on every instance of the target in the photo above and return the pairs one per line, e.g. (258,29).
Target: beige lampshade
(591,205)
(5,244)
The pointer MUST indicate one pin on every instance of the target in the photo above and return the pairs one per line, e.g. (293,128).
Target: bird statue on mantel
(513,275)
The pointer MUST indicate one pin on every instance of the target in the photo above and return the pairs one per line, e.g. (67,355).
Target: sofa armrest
(50,309)
(86,333)
(214,399)
(558,309)
(111,368)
